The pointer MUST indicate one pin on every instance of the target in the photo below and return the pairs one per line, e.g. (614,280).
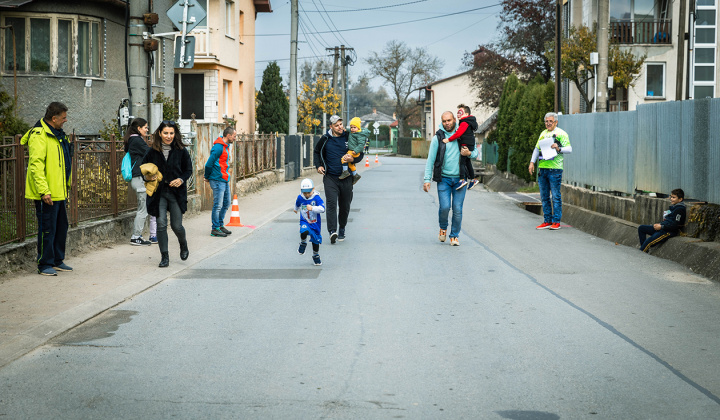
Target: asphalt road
(513,324)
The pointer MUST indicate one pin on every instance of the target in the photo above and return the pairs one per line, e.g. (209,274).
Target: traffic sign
(376,125)
(195,14)
(376,131)
(189,58)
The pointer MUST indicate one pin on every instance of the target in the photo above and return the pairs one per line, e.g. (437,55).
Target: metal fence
(254,153)
(656,148)
(97,190)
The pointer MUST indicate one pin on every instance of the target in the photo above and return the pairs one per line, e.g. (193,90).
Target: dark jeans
(549,181)
(168,201)
(656,237)
(337,191)
(466,168)
(52,233)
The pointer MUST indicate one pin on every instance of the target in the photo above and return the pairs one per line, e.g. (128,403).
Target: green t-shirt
(557,162)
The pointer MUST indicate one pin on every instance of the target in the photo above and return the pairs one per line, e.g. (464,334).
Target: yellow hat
(356,122)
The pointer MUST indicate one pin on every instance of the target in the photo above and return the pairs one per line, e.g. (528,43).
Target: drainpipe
(149,69)
(680,51)
(432,101)
(127,71)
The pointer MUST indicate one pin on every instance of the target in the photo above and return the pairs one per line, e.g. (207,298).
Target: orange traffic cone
(235,214)
(376,159)
(367,161)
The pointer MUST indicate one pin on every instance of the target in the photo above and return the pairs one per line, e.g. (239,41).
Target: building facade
(221,85)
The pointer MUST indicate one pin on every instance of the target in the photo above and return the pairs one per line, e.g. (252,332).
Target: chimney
(374,110)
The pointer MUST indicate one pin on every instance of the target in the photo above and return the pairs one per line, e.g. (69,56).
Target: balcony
(203,47)
(658,32)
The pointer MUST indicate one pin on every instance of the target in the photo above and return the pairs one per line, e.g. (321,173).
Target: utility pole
(292,120)
(335,70)
(680,52)
(602,43)
(325,102)
(344,81)
(558,56)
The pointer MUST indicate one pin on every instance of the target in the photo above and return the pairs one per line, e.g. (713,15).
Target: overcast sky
(445,37)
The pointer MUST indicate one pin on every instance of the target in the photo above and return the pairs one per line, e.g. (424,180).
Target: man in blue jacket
(443,167)
(330,154)
(217,174)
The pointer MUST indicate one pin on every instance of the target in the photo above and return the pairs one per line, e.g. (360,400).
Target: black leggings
(466,167)
(316,247)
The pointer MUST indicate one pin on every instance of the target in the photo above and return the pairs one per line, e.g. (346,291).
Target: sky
(447,38)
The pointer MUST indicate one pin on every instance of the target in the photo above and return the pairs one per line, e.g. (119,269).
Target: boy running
(310,205)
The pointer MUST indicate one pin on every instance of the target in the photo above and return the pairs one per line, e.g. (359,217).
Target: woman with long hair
(173,161)
(136,146)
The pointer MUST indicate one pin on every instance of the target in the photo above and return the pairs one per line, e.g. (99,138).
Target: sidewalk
(34,308)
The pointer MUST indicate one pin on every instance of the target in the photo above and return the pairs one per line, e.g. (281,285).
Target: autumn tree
(623,66)
(404,70)
(273,110)
(314,100)
(525,26)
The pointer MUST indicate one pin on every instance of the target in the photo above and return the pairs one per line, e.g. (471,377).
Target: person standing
(443,167)
(137,147)
(173,161)
(48,184)
(330,154)
(551,169)
(218,176)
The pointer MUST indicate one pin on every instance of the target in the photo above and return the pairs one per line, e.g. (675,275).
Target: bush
(9,123)
(171,110)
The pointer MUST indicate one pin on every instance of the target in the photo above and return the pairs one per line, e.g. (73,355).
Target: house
(445,95)
(675,68)
(75,52)
(221,84)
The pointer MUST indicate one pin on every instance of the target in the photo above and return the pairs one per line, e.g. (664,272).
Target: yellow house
(221,84)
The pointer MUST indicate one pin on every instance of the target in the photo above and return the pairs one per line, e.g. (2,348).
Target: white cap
(306,185)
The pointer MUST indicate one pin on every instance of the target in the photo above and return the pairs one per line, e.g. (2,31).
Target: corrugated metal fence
(657,148)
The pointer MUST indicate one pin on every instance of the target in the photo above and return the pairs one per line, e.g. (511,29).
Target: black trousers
(466,167)
(168,202)
(338,193)
(52,233)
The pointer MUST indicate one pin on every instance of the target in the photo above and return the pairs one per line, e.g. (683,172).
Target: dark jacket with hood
(137,147)
(177,165)
(332,166)
(674,218)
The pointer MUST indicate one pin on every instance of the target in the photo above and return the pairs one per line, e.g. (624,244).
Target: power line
(465,28)
(391,24)
(374,8)
(333,23)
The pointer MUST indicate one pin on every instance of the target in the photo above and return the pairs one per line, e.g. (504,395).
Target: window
(703,66)
(190,92)
(226,98)
(655,80)
(53,44)
(203,4)
(229,19)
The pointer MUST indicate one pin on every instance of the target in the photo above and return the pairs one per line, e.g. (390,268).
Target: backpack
(126,168)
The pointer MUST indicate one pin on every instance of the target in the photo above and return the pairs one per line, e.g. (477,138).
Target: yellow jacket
(46,165)
(148,171)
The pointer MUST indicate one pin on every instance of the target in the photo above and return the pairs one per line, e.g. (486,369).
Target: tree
(623,66)
(273,107)
(363,98)
(309,70)
(10,125)
(525,26)
(313,100)
(404,70)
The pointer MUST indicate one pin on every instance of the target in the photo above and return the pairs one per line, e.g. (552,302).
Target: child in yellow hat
(356,144)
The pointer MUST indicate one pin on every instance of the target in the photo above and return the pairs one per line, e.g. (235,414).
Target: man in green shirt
(551,168)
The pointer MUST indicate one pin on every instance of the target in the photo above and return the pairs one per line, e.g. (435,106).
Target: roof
(13,3)
(262,6)
(487,124)
(444,80)
(377,116)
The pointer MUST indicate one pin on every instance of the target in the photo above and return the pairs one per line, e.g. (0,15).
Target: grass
(533,189)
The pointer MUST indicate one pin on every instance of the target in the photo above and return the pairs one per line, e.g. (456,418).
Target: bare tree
(404,70)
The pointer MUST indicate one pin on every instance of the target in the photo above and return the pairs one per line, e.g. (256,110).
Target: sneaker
(462,184)
(545,225)
(344,175)
(473,183)
(341,234)
(218,232)
(454,242)
(356,178)
(63,267)
(225,231)
(316,259)
(153,239)
(301,248)
(47,271)
(139,241)
(555,226)
(442,235)
(333,237)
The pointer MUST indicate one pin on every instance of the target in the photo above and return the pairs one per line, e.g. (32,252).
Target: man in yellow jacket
(47,184)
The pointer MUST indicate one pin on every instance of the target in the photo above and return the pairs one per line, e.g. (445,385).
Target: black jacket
(319,151)
(468,137)
(440,157)
(674,218)
(137,148)
(178,165)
